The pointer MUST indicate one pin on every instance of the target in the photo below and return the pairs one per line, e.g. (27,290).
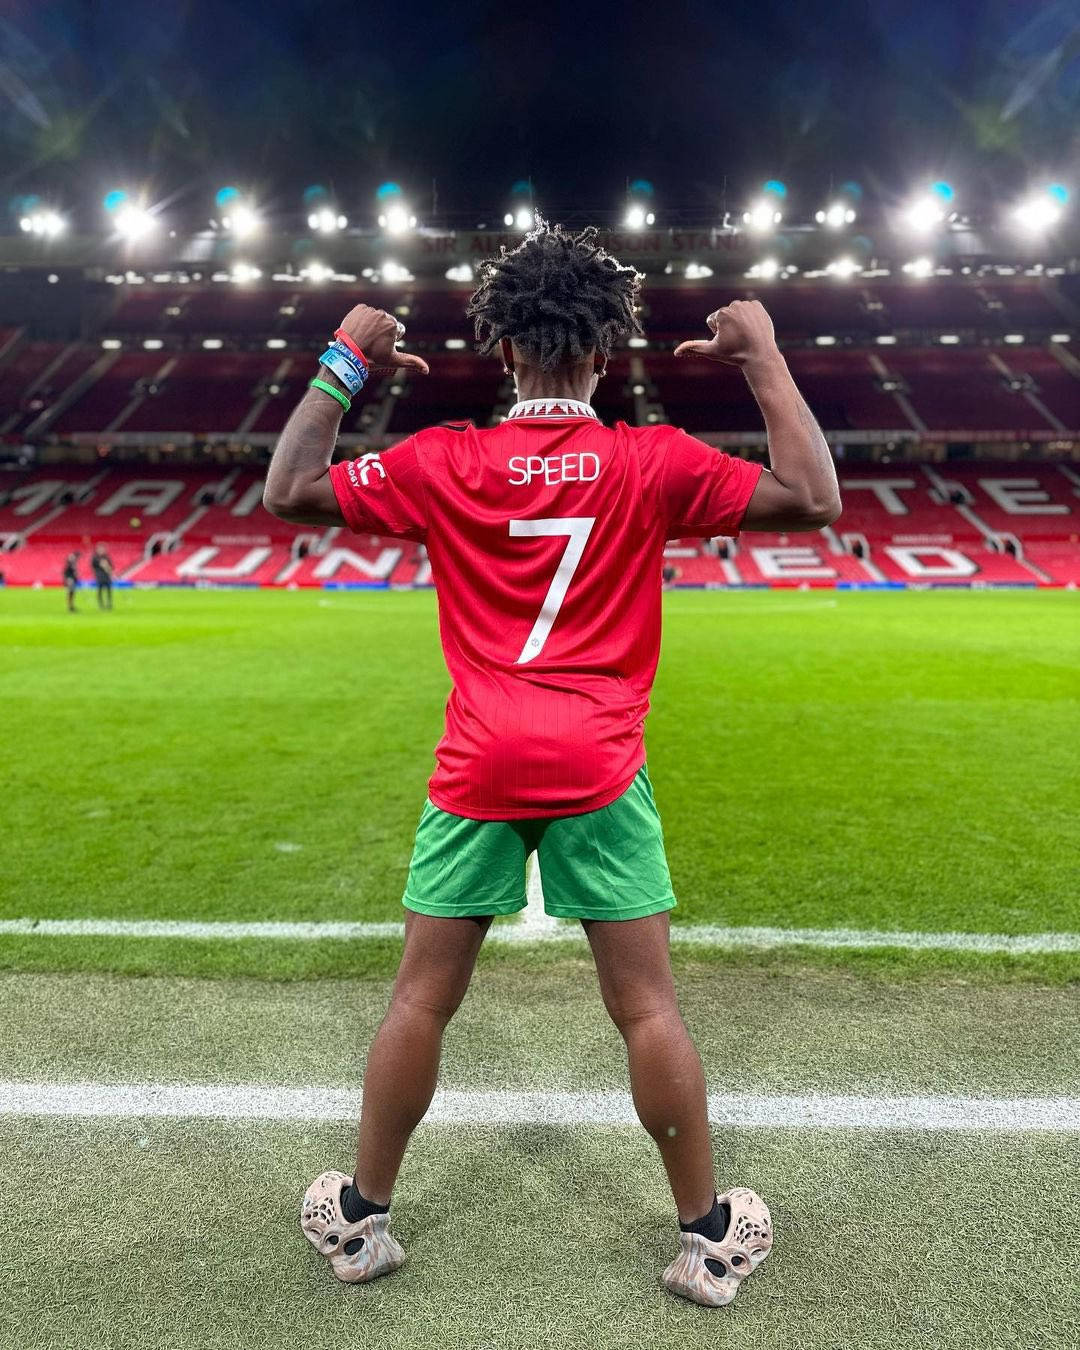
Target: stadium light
(244,272)
(455,344)
(825,340)
(1041,211)
(843,268)
(392,271)
(929,209)
(835,216)
(919,267)
(397,219)
(762,216)
(638,217)
(697,271)
(134,222)
(276,344)
(317,273)
(949,339)
(242,221)
(459,272)
(1013,339)
(1060,337)
(326,221)
(46,224)
(767,269)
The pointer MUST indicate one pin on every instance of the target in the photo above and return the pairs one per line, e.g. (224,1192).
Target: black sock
(354,1207)
(714,1225)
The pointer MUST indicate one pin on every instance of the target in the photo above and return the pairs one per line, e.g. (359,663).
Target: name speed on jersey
(580,467)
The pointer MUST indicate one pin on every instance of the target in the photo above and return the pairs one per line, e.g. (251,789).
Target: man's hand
(742,334)
(376,333)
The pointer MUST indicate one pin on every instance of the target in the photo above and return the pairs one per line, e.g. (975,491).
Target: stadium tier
(903,524)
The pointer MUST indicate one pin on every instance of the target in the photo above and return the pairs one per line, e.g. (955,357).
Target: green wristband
(334,393)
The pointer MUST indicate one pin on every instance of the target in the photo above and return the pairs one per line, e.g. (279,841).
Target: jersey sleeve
(383,494)
(704,492)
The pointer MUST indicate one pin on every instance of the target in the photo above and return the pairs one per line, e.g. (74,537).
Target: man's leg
(403,1062)
(666,1076)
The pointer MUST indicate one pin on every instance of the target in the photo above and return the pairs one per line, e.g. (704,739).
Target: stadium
(220,706)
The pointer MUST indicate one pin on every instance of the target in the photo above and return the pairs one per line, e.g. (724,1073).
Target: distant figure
(669,575)
(103,575)
(71,579)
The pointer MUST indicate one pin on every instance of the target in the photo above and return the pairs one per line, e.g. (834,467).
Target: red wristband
(342,336)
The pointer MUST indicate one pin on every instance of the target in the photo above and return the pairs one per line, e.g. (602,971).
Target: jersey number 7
(577,528)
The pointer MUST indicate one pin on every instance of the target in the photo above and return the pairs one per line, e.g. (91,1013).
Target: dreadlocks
(557,295)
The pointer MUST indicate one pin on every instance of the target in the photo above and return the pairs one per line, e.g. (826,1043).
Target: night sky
(183,97)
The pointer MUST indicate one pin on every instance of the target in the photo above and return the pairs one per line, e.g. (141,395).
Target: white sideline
(554,930)
(255,1101)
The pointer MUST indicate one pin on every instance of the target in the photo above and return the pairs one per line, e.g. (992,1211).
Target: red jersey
(545,536)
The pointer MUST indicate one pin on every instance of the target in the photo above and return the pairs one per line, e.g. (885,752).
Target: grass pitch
(898,761)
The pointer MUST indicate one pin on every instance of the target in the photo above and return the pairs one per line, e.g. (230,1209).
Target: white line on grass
(700,935)
(254,1101)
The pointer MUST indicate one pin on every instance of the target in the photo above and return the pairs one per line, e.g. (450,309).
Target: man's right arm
(800,492)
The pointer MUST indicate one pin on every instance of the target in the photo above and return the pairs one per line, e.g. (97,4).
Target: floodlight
(638,216)
(46,224)
(242,221)
(924,213)
(133,222)
(244,272)
(762,216)
(317,273)
(835,216)
(919,267)
(843,268)
(524,218)
(1041,211)
(396,219)
(766,269)
(326,221)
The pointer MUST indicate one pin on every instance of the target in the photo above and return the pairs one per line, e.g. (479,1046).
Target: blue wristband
(358,364)
(346,372)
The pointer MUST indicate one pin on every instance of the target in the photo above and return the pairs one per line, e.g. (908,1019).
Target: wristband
(342,336)
(344,369)
(354,361)
(334,393)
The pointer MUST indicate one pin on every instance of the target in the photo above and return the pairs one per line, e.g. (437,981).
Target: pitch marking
(516,931)
(255,1101)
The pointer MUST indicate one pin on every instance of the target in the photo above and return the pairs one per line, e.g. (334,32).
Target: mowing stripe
(255,1101)
(548,930)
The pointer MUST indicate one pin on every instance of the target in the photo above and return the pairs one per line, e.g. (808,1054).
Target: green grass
(167,1233)
(868,760)
(871,760)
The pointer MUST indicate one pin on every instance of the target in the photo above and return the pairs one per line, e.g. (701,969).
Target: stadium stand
(100,405)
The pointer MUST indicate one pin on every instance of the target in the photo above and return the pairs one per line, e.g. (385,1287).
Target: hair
(557,296)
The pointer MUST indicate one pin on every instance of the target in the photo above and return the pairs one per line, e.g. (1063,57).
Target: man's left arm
(298,487)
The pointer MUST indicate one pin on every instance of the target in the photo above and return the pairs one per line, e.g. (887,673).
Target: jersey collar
(551,407)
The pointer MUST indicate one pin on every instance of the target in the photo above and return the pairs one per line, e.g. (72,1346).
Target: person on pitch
(102,567)
(545,536)
(71,579)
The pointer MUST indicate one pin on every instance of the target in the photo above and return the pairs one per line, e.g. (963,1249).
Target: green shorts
(605,864)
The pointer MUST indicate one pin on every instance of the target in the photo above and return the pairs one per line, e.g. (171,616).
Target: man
(545,536)
(71,579)
(102,566)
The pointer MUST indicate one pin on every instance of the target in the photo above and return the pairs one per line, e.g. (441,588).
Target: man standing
(545,537)
(102,566)
(71,579)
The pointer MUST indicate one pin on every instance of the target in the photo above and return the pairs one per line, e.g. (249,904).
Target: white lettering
(337,558)
(198,565)
(884,489)
(568,468)
(152,496)
(248,501)
(1022,497)
(804,564)
(915,561)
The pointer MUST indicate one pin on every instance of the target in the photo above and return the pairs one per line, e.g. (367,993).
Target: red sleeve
(704,491)
(383,494)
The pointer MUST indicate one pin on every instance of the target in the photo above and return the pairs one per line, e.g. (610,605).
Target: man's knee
(631,1011)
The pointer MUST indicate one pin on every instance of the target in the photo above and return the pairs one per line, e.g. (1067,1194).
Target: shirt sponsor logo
(582,467)
(359,469)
